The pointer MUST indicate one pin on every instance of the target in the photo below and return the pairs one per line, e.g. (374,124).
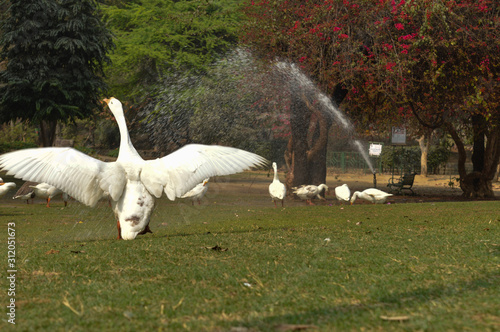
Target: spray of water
(296,76)
(363,152)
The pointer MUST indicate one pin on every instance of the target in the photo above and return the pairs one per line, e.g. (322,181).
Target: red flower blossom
(389,66)
(399,26)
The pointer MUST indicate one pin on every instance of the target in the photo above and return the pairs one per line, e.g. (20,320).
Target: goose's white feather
(130,180)
(181,170)
(373,195)
(277,190)
(343,193)
(67,169)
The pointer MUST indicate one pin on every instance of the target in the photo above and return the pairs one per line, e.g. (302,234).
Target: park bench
(405,182)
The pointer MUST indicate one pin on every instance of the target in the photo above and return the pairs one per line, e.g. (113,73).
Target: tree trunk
(318,162)
(307,146)
(47,133)
(478,184)
(478,126)
(317,153)
(424,142)
(497,174)
(297,146)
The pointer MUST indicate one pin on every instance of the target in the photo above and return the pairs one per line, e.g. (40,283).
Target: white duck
(343,193)
(5,187)
(308,192)
(27,197)
(45,190)
(372,195)
(277,190)
(197,193)
(132,183)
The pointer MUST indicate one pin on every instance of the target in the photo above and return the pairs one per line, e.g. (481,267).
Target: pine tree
(55,51)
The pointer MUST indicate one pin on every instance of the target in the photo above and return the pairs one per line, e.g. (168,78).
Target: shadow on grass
(424,294)
(10,214)
(342,316)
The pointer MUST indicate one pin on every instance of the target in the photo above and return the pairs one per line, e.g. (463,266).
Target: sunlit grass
(236,261)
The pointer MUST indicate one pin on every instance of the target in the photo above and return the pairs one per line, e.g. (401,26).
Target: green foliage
(21,131)
(106,134)
(86,150)
(113,153)
(407,159)
(155,37)
(233,104)
(55,51)
(229,112)
(11,146)
(438,156)
(401,158)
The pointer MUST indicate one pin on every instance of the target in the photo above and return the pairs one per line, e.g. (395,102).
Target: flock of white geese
(132,183)
(277,190)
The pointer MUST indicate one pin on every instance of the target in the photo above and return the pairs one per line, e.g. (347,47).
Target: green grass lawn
(236,263)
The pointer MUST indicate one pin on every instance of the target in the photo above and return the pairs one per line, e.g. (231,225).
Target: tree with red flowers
(431,61)
(441,67)
(286,30)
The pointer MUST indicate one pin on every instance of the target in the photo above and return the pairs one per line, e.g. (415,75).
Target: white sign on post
(398,135)
(375,149)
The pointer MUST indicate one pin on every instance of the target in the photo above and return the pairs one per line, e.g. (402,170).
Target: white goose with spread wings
(132,182)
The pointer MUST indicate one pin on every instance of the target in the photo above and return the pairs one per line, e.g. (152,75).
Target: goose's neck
(126,147)
(276,178)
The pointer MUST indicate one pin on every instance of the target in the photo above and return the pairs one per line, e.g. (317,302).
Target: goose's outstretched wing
(181,170)
(80,176)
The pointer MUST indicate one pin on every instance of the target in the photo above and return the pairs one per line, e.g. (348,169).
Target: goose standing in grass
(197,193)
(371,195)
(26,197)
(132,182)
(307,193)
(277,190)
(26,192)
(343,193)
(5,187)
(45,190)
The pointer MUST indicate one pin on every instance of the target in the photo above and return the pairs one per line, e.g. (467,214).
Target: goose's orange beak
(107,100)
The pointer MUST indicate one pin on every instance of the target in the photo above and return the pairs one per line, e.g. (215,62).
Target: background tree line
(183,70)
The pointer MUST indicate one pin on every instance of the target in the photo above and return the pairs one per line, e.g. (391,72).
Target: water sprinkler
(375,179)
